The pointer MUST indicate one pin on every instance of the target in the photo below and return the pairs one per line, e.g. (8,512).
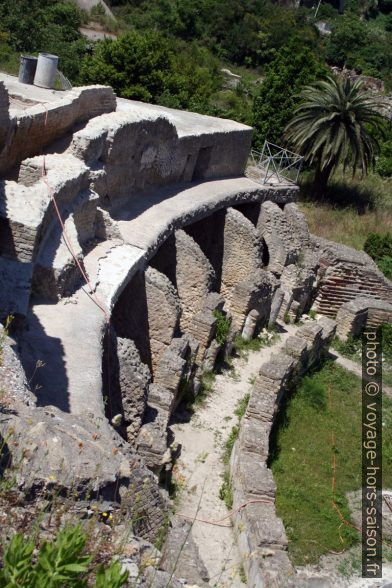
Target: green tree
(147,66)
(336,122)
(293,67)
(136,66)
(357,45)
(379,247)
(45,25)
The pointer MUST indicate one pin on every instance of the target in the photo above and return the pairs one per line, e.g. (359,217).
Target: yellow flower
(51,477)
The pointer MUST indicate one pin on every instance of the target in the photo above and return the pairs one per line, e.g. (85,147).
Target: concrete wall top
(187,123)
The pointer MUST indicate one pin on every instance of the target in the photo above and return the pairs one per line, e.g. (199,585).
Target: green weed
(62,563)
(226,490)
(222,327)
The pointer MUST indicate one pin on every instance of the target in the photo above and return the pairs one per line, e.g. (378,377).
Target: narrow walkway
(200,467)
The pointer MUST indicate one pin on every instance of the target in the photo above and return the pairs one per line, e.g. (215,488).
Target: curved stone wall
(261,536)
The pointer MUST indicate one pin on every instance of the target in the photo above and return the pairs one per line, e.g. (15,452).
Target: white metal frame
(275,162)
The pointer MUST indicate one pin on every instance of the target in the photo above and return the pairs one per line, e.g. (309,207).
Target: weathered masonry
(151,207)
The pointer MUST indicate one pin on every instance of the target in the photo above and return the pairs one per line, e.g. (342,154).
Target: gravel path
(200,466)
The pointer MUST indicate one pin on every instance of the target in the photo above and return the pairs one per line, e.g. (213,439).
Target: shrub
(384,161)
(266,338)
(379,247)
(242,406)
(293,67)
(62,563)
(349,348)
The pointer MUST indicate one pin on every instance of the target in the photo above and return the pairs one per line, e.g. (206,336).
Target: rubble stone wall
(345,274)
(148,312)
(353,316)
(242,252)
(261,535)
(31,130)
(54,449)
(194,277)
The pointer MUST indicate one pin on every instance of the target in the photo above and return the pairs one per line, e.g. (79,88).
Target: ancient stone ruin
(126,231)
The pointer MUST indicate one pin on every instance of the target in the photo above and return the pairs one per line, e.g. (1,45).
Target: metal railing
(276,164)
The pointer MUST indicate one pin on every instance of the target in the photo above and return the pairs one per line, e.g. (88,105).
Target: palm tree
(336,122)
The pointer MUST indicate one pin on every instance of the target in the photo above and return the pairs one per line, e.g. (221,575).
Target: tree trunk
(320,182)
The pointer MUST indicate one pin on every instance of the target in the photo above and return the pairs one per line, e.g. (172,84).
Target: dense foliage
(60,564)
(244,32)
(293,67)
(171,51)
(379,247)
(357,44)
(144,66)
(29,26)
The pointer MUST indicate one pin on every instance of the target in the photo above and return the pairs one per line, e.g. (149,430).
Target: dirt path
(200,465)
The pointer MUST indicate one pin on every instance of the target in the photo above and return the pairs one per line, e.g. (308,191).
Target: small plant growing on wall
(222,327)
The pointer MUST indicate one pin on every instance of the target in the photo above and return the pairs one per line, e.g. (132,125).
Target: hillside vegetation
(172,52)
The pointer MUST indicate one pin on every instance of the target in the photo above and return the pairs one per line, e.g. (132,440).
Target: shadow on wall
(209,235)
(251,211)
(110,377)
(165,259)
(5,456)
(7,244)
(130,316)
(48,381)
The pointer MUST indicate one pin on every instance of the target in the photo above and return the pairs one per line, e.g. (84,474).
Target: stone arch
(148,312)
(251,210)
(130,316)
(208,234)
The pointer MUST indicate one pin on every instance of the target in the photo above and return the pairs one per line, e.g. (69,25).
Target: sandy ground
(200,466)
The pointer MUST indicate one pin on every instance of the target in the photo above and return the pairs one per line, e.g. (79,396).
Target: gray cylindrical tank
(28,65)
(46,70)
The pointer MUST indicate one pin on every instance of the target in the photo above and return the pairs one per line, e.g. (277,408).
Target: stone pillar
(133,380)
(148,312)
(274,227)
(254,293)
(242,252)
(203,325)
(194,277)
(208,234)
(163,310)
